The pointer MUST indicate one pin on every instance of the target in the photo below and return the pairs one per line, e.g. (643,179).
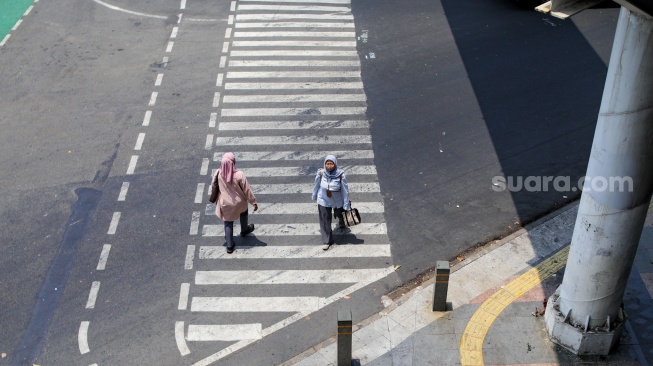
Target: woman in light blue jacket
(332,194)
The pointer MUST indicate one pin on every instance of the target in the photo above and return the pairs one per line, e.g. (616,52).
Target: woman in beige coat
(235,193)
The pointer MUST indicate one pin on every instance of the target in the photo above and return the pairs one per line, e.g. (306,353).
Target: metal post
(585,315)
(344,338)
(441,286)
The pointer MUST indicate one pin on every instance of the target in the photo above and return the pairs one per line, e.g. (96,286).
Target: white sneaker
(325,246)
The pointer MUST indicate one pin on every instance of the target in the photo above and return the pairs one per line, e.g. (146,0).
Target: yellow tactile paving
(471,342)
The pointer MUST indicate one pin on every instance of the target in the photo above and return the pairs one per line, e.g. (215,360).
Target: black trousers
(229,228)
(325,214)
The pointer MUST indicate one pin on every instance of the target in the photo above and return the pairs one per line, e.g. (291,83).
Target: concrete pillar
(585,315)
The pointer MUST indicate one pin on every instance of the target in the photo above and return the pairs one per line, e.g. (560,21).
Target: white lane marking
(294,140)
(195,223)
(243,34)
(297,24)
(28,10)
(183,296)
(307,85)
(132,164)
(277,43)
(4,40)
(183,4)
(230,20)
(212,119)
(334,9)
(300,1)
(227,33)
(300,171)
(174,32)
(244,112)
(274,208)
(205,166)
(16,25)
(296,252)
(272,277)
(190,256)
(199,194)
(216,100)
(291,125)
(146,119)
(159,79)
(165,62)
(104,256)
(112,7)
(223,61)
(295,53)
(286,322)
(218,81)
(296,155)
(288,16)
(292,74)
(297,229)
(224,332)
(225,47)
(209,142)
(180,339)
(153,99)
(233,6)
(139,141)
(179,18)
(123,191)
(170,45)
(82,337)
(113,226)
(92,296)
(304,304)
(292,63)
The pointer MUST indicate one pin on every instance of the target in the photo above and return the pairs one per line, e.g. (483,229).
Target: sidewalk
(408,333)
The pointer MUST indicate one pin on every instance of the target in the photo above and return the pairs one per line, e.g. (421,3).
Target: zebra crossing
(288,92)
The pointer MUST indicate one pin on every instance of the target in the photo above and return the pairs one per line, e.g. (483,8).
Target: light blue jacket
(335,181)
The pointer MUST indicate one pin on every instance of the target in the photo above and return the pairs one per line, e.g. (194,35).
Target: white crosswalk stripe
(289,92)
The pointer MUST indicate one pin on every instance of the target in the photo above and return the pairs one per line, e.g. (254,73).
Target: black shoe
(250,228)
(231,249)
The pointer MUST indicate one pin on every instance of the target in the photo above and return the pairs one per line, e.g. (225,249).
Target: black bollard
(441,286)
(344,338)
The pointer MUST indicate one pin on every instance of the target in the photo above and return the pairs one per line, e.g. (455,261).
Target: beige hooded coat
(233,197)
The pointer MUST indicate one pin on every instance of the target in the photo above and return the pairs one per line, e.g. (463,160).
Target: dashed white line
(233,6)
(199,194)
(209,142)
(216,100)
(164,62)
(132,165)
(205,166)
(180,339)
(169,48)
(223,61)
(174,32)
(227,33)
(183,4)
(230,20)
(28,10)
(123,191)
(183,296)
(146,119)
(114,223)
(82,337)
(16,25)
(139,141)
(195,223)
(218,81)
(225,47)
(104,256)
(153,99)
(159,79)
(190,256)
(213,119)
(4,40)
(92,296)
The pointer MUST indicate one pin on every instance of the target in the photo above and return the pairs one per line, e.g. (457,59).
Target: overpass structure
(586,313)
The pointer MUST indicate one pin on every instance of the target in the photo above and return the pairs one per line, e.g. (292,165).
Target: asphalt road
(457,93)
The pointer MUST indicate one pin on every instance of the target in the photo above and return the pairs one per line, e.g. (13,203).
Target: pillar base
(575,338)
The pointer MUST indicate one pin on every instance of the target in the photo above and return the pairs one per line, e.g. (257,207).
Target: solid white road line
(293,63)
(299,171)
(92,296)
(153,99)
(306,85)
(274,8)
(224,332)
(292,74)
(123,191)
(183,296)
(281,277)
(296,155)
(303,304)
(113,226)
(277,43)
(190,256)
(82,337)
(294,140)
(297,24)
(296,251)
(297,229)
(199,193)
(146,119)
(292,125)
(132,164)
(139,141)
(289,16)
(180,339)
(316,34)
(295,53)
(104,256)
(244,112)
(195,223)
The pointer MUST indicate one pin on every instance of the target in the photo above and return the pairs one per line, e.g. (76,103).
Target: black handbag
(352,217)
(215,189)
